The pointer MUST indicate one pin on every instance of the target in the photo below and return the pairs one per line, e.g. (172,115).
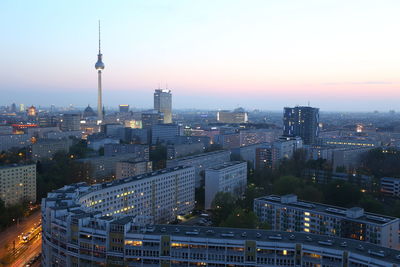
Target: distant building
(236,116)
(45,149)
(165,133)
(201,162)
(32,111)
(150,118)
(9,141)
(301,121)
(104,168)
(229,177)
(228,141)
(181,150)
(390,186)
(247,153)
(18,184)
(70,122)
(89,112)
(47,121)
(131,168)
(111,129)
(163,103)
(123,108)
(6,129)
(96,143)
(287,213)
(141,151)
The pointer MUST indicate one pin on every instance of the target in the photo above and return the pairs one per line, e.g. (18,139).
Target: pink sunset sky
(339,55)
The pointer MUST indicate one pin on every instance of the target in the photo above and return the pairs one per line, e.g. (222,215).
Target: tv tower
(99,67)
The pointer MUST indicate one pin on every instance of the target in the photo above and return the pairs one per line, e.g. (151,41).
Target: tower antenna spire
(99,38)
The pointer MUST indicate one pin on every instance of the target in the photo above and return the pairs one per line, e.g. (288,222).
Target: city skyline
(340,58)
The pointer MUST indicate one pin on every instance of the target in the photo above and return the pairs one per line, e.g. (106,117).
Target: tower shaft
(99,97)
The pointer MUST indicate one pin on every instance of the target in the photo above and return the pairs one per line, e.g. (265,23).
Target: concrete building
(201,162)
(303,122)
(229,177)
(45,149)
(163,103)
(18,184)
(228,141)
(390,186)
(91,218)
(9,141)
(6,129)
(96,143)
(111,129)
(165,133)
(130,168)
(247,153)
(141,151)
(70,122)
(257,136)
(182,150)
(349,142)
(104,168)
(125,242)
(286,213)
(151,117)
(236,116)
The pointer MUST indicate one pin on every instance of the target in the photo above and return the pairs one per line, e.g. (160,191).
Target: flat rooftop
(223,233)
(226,165)
(328,209)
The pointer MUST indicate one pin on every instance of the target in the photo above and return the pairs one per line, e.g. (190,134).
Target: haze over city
(212,54)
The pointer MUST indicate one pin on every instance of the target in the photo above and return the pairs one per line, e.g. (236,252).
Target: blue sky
(339,55)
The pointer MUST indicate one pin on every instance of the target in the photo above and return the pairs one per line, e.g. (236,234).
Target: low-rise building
(17,184)
(229,177)
(287,213)
(141,151)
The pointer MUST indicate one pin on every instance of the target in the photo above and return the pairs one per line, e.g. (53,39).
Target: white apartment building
(201,162)
(230,177)
(286,213)
(18,183)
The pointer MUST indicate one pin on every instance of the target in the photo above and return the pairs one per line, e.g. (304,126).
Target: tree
(222,206)
(240,218)
(286,185)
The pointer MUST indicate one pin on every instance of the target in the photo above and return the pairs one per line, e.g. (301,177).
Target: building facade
(201,162)
(236,116)
(45,149)
(301,121)
(127,168)
(70,122)
(229,177)
(165,133)
(18,184)
(84,241)
(390,186)
(286,213)
(163,103)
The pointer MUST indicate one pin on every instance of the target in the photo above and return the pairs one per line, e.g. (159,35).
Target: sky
(338,55)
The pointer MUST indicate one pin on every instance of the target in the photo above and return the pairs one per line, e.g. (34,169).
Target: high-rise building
(163,103)
(13,108)
(99,67)
(70,122)
(17,183)
(301,121)
(123,108)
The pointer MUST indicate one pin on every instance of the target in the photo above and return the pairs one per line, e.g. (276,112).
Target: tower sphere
(99,64)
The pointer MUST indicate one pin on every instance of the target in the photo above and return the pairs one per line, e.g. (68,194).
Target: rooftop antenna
(166,86)
(308,102)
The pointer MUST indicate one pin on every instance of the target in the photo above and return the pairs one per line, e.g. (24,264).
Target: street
(22,252)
